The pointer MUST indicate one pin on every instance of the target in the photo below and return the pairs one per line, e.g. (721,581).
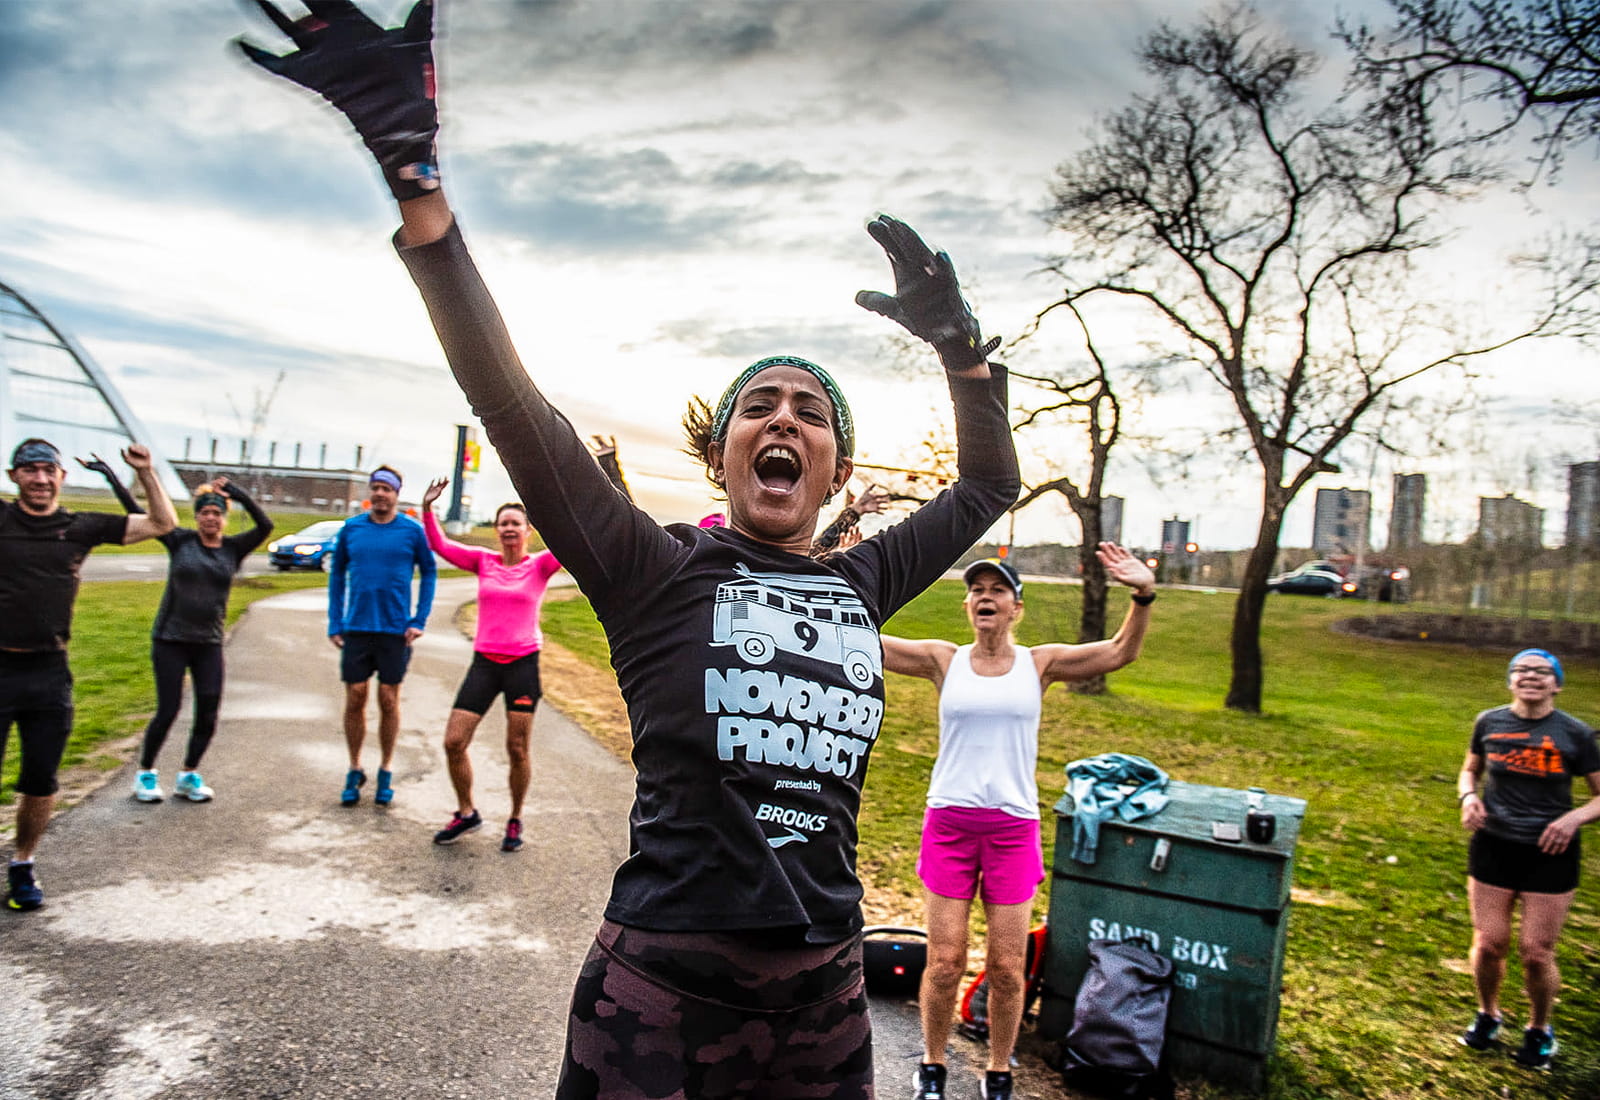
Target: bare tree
(1537,60)
(1280,248)
(1090,398)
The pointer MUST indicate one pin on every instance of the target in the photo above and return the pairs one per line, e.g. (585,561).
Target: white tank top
(988,737)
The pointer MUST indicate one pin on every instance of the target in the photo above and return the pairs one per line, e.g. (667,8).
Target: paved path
(273,944)
(152,567)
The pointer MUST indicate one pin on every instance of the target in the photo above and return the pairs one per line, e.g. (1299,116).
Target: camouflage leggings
(699,1016)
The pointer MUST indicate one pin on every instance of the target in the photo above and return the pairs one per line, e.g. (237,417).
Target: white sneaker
(192,787)
(147,786)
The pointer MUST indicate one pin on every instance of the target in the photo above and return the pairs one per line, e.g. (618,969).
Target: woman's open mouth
(778,469)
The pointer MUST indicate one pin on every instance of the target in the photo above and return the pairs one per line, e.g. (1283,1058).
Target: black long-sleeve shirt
(199,578)
(753,676)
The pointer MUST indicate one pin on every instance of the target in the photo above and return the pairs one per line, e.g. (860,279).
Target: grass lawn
(111,663)
(1371,735)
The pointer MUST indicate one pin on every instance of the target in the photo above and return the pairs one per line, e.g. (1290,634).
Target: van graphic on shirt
(817,617)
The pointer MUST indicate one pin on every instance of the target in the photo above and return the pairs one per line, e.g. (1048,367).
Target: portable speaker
(893,959)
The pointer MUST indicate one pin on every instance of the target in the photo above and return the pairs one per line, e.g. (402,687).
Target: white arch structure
(50,387)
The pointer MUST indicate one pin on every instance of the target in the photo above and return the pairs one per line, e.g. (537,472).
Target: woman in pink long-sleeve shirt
(505,659)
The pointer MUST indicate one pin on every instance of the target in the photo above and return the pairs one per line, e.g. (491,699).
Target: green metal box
(1218,909)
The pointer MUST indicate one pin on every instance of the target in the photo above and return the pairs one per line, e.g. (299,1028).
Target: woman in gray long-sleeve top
(187,634)
(729,960)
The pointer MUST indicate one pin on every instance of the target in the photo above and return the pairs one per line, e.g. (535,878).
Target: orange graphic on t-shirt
(1517,756)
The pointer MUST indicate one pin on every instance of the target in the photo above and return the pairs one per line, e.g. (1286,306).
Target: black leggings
(203,661)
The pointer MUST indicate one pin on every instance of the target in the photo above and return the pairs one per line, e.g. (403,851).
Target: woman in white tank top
(981,833)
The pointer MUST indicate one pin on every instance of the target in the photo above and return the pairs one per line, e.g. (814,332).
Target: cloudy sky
(658,192)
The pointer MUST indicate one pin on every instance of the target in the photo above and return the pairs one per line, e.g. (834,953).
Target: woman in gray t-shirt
(1525,843)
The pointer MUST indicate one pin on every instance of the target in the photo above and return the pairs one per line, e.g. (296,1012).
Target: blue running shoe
(147,786)
(192,787)
(1481,1035)
(385,792)
(1538,1048)
(24,892)
(352,787)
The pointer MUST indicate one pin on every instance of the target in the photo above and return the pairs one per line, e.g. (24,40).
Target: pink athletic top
(509,596)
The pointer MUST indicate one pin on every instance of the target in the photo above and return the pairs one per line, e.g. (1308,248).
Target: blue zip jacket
(369,584)
(1113,783)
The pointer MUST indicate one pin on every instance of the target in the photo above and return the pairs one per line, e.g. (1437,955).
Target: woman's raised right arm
(383,81)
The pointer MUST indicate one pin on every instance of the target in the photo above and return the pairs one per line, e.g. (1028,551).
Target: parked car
(1313,579)
(311,548)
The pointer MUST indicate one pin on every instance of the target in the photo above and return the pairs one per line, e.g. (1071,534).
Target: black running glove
(118,490)
(927,298)
(380,79)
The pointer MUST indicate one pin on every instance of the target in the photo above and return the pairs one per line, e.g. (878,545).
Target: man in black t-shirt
(42,546)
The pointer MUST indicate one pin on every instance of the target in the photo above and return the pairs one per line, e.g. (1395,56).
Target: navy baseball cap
(1007,574)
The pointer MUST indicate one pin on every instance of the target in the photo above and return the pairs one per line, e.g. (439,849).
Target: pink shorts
(962,847)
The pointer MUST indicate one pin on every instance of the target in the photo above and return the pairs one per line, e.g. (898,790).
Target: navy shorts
(1513,865)
(36,697)
(487,678)
(366,653)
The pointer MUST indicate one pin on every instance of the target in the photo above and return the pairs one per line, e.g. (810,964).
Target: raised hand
(223,486)
(435,487)
(97,465)
(1125,568)
(137,455)
(872,499)
(927,299)
(380,79)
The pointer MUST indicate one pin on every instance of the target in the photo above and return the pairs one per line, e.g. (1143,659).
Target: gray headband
(35,450)
(843,425)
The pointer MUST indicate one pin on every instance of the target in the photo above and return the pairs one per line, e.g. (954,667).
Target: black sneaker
(1538,1048)
(23,893)
(1481,1035)
(928,1082)
(513,838)
(460,825)
(996,1086)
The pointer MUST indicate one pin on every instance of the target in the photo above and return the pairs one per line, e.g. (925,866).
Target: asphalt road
(274,944)
(152,567)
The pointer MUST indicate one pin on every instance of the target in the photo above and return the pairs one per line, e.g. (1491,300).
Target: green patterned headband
(843,425)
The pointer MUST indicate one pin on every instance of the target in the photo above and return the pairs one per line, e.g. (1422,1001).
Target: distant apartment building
(1583,505)
(1405,518)
(1111,519)
(1174,535)
(1506,522)
(1343,521)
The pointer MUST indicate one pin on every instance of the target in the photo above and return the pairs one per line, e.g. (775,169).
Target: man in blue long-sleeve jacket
(371,621)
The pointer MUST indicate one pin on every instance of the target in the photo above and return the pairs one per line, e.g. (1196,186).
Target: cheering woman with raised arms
(729,960)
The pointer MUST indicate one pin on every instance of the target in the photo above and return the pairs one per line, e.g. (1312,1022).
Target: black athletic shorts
(366,653)
(1512,865)
(36,697)
(486,678)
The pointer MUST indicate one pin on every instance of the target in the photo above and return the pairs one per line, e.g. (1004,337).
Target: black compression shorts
(487,678)
(36,697)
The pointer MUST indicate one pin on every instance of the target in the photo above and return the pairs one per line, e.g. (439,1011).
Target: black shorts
(517,680)
(366,653)
(36,697)
(1513,865)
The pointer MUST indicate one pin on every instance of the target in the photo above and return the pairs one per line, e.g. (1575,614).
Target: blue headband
(843,425)
(1555,663)
(35,450)
(385,477)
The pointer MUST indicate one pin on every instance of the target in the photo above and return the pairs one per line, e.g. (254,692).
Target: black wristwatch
(1144,601)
